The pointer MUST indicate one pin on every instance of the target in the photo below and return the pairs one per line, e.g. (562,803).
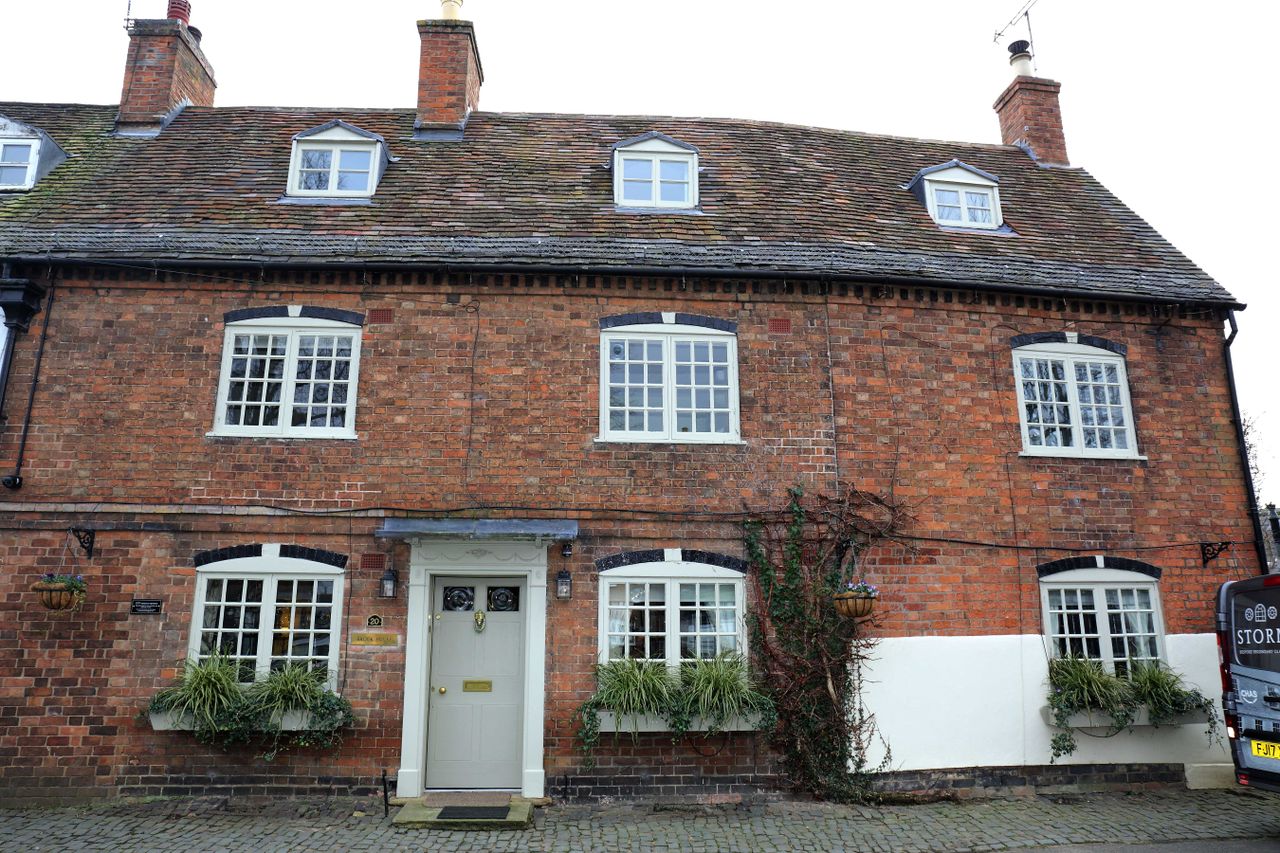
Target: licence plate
(1265,749)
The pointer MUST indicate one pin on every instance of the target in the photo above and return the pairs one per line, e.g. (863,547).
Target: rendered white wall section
(944,702)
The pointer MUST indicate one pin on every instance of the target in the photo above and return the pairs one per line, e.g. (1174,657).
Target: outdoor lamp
(564,585)
(387,584)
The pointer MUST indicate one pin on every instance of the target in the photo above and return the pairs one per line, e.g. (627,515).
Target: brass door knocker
(479,617)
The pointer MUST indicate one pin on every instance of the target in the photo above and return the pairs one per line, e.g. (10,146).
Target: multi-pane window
(334,170)
(267,621)
(288,382)
(1073,400)
(959,205)
(676,387)
(657,181)
(672,618)
(17,159)
(1115,623)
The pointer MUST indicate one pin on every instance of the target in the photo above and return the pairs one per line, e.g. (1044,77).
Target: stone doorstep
(416,814)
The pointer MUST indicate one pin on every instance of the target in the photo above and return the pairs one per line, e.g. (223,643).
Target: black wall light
(387,584)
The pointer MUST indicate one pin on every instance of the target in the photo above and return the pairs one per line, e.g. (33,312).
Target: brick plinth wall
(484,390)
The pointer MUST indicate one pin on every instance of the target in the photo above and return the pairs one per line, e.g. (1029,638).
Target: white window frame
(33,161)
(672,572)
(655,151)
(962,179)
(1070,353)
(670,333)
(271,568)
(335,140)
(292,327)
(1099,581)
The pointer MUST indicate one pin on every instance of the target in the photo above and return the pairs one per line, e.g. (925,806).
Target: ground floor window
(268,614)
(1107,615)
(671,611)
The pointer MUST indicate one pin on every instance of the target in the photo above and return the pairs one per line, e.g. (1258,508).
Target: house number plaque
(477,687)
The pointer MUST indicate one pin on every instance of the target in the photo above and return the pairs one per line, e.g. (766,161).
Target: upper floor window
(1103,614)
(268,612)
(336,160)
(290,375)
(671,610)
(668,377)
(26,155)
(655,171)
(959,195)
(1073,400)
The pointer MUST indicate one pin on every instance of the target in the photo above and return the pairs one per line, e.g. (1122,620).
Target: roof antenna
(1024,12)
(128,14)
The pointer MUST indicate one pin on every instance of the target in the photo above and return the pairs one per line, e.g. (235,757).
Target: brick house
(276,360)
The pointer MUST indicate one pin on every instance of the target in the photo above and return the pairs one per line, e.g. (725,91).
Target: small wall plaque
(477,687)
(375,639)
(146,606)
(373,622)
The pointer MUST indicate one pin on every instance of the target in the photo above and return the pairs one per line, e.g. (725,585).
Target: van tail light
(1233,726)
(1242,778)
(1224,655)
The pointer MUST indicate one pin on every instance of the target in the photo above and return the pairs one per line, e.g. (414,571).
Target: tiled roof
(525,189)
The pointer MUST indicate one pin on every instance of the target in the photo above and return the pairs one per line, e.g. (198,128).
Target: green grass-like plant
(204,693)
(718,690)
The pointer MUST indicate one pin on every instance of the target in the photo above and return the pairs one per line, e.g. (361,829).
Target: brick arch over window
(640,318)
(296,552)
(1099,562)
(659,555)
(239,315)
(1061,338)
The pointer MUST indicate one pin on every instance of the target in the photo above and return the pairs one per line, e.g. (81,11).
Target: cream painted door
(474,719)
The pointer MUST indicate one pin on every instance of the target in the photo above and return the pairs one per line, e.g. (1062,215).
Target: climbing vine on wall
(810,659)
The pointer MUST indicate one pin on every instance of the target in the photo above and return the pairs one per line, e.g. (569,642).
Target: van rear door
(1249,640)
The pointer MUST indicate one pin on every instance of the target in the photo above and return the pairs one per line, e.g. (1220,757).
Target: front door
(476,685)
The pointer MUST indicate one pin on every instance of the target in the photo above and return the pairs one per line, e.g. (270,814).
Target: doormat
(473,813)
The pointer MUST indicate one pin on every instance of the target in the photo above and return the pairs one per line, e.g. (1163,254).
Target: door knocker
(479,617)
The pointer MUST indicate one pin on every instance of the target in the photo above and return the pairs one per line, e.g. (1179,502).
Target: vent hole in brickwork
(373,562)
(779,326)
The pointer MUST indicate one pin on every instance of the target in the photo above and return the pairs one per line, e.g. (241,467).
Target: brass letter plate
(374,639)
(477,687)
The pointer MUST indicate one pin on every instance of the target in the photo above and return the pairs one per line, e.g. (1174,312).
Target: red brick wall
(449,74)
(493,400)
(164,66)
(1029,112)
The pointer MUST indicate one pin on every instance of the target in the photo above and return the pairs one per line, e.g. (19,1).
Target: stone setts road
(215,825)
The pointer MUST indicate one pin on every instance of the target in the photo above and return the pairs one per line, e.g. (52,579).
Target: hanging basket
(854,605)
(58,596)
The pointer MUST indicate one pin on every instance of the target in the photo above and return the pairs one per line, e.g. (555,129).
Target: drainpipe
(14,481)
(1254,516)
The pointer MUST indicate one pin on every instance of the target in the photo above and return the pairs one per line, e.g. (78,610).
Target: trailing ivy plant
(1080,685)
(811,660)
(209,697)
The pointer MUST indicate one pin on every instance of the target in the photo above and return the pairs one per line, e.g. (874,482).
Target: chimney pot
(450,10)
(180,10)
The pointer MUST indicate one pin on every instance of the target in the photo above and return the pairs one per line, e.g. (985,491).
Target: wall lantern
(566,550)
(564,584)
(387,584)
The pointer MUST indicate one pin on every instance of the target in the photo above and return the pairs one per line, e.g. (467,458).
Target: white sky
(1167,103)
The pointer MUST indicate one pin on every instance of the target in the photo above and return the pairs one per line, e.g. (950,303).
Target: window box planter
(1097,720)
(611,724)
(167,721)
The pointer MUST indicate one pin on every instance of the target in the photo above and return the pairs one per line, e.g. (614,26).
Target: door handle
(442,690)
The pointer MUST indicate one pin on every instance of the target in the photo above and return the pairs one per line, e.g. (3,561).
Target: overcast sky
(1167,103)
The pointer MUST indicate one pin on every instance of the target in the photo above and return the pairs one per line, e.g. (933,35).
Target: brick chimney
(449,73)
(165,70)
(1029,111)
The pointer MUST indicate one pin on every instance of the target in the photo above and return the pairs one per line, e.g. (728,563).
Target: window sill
(600,439)
(167,721)
(611,723)
(665,211)
(1098,722)
(352,437)
(1026,454)
(324,201)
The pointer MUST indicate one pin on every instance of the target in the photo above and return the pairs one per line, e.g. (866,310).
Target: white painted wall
(975,701)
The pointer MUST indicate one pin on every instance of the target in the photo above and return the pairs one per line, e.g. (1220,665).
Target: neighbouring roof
(535,190)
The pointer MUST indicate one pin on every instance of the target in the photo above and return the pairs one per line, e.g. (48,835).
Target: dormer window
(655,171)
(337,160)
(959,196)
(27,154)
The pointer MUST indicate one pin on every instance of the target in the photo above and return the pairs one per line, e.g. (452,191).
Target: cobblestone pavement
(214,825)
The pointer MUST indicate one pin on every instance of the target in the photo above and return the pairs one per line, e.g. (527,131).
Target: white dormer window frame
(959,196)
(656,172)
(336,161)
(17,173)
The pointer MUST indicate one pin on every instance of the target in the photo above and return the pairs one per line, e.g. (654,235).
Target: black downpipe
(14,481)
(1254,516)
